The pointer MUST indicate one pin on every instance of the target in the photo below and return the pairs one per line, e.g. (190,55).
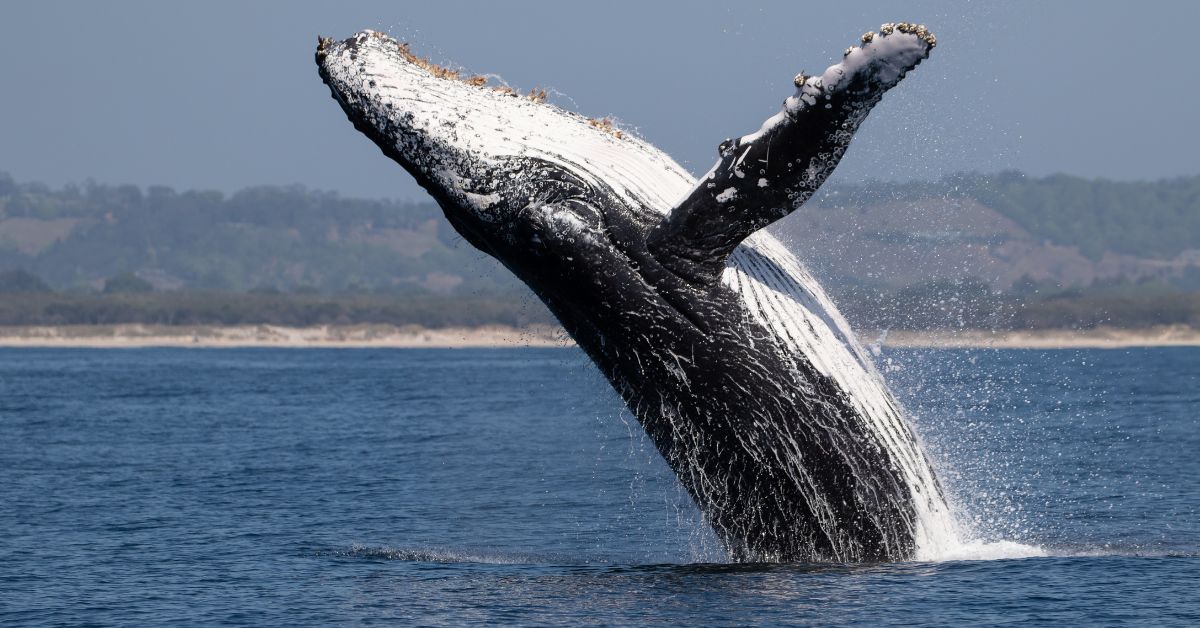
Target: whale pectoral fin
(764,176)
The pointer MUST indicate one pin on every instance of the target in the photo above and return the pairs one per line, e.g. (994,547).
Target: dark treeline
(938,305)
(293,310)
(971,304)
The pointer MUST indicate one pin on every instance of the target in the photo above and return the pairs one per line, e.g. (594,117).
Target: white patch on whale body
(726,195)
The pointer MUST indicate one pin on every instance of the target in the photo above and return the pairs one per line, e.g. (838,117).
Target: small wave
(1119,550)
(433,555)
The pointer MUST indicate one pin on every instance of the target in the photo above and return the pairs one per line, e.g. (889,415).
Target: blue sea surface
(303,487)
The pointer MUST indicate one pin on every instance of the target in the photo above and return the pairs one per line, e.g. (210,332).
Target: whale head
(508,169)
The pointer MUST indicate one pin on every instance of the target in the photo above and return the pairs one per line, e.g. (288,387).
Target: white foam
(982,550)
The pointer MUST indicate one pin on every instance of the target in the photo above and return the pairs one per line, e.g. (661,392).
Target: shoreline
(1098,338)
(132,336)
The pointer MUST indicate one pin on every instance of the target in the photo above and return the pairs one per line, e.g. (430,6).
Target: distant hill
(1008,231)
(265,238)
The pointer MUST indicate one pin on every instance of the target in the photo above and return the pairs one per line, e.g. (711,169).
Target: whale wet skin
(728,352)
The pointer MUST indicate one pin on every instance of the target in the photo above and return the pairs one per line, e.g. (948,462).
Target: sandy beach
(1098,338)
(331,336)
(390,336)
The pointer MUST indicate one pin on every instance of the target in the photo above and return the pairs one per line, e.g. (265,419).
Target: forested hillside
(971,250)
(1012,232)
(1149,219)
(265,238)
(1002,228)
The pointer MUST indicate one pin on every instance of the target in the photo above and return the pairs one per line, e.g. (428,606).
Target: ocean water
(284,487)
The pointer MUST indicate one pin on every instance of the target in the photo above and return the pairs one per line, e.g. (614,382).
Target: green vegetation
(96,254)
(289,237)
(276,237)
(293,310)
(1158,219)
(127,283)
(1154,219)
(22,282)
(970,304)
(940,304)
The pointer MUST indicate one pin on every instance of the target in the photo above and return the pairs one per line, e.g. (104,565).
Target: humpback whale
(731,356)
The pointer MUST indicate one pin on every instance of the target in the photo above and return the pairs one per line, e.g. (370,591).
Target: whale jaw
(472,144)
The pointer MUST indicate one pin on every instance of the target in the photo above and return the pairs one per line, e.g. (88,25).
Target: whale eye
(726,145)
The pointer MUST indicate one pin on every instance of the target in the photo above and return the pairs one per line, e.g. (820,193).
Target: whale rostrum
(731,356)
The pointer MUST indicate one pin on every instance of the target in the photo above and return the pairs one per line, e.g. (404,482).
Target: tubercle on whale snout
(439,71)
(730,355)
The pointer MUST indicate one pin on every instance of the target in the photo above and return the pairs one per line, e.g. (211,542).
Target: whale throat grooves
(729,353)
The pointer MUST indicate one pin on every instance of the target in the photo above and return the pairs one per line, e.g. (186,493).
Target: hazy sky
(225,94)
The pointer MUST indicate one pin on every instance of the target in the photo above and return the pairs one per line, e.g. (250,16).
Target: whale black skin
(788,457)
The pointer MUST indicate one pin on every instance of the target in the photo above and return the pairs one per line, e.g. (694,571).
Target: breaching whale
(728,352)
